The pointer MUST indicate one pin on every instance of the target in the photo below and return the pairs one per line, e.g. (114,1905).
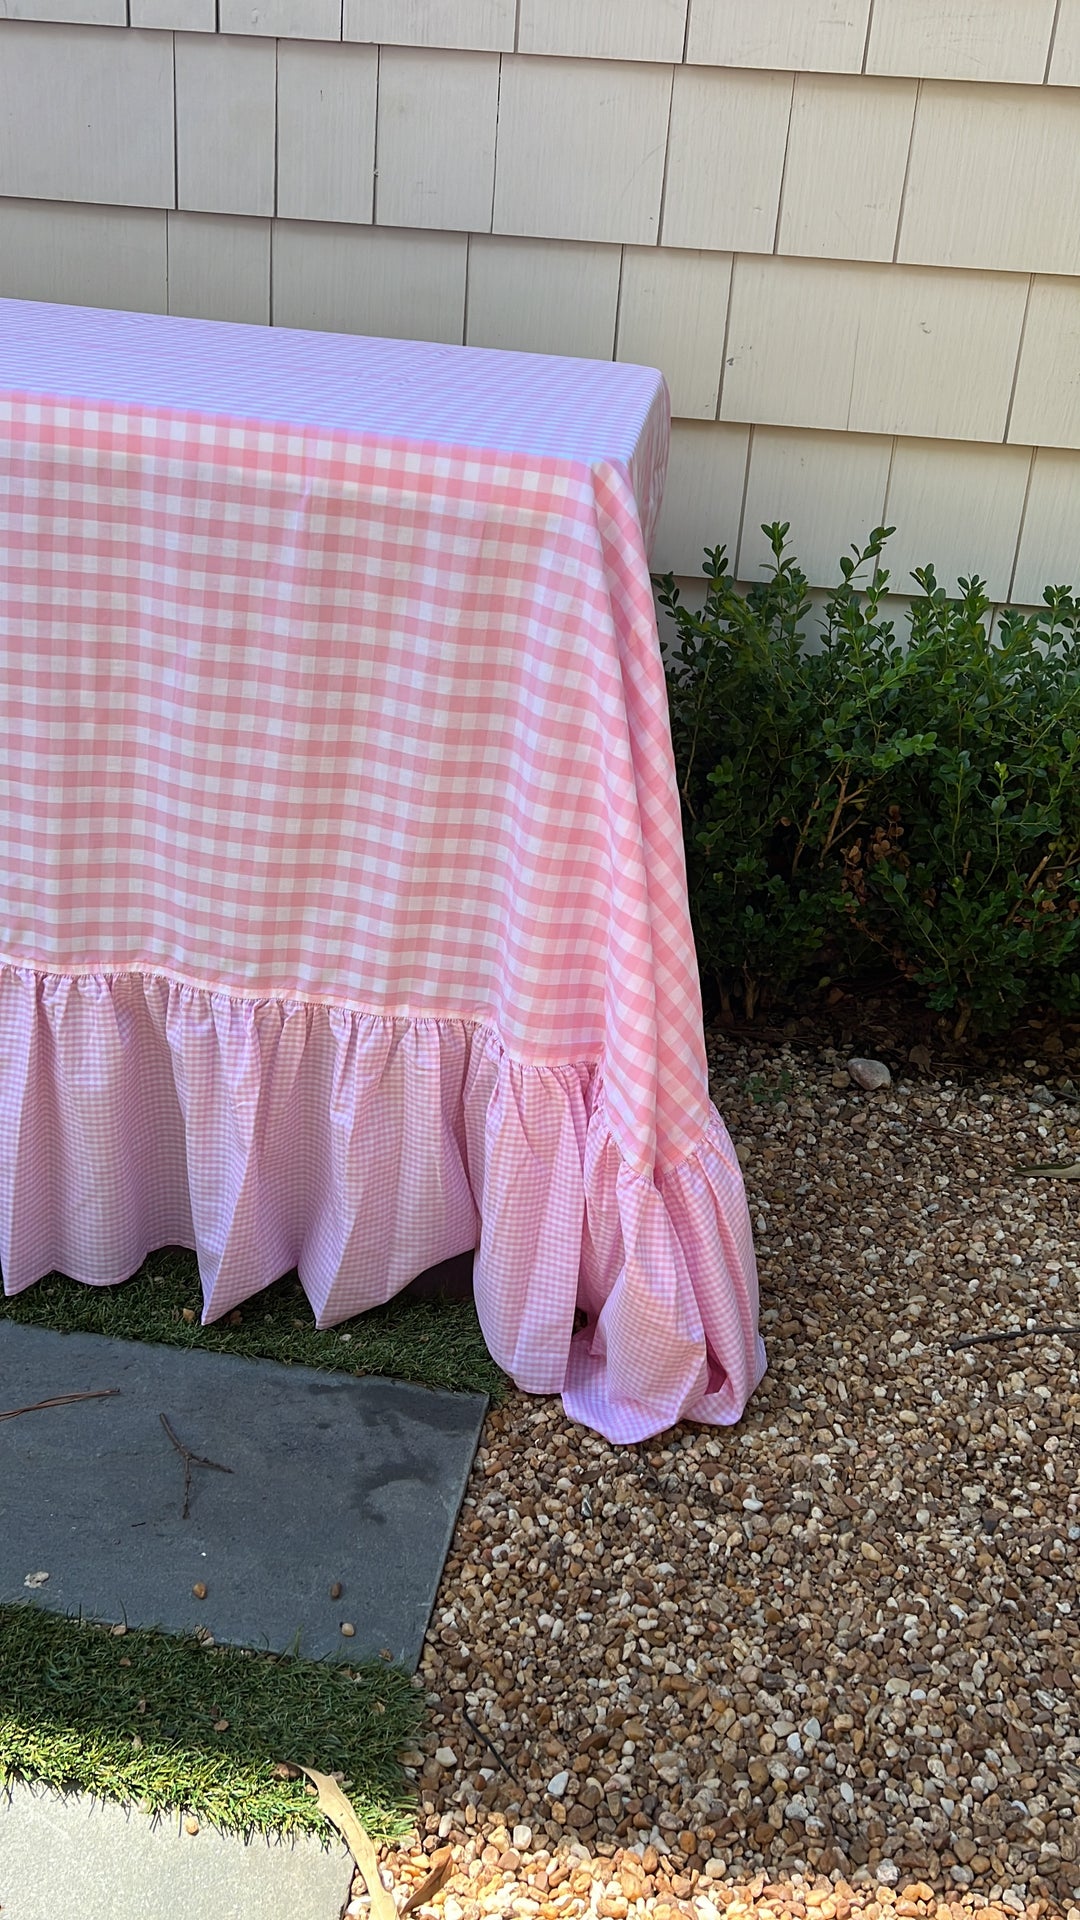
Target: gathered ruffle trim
(361,1149)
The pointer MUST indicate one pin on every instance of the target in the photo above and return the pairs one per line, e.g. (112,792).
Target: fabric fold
(361,1149)
(669,1282)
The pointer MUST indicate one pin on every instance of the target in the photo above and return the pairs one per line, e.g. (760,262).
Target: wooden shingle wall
(849,233)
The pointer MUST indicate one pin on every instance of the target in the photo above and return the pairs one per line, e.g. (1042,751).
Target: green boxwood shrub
(849,796)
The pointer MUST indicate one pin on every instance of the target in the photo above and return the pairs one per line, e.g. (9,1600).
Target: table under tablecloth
(343,914)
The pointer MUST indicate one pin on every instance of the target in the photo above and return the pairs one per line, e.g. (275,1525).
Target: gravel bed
(825,1662)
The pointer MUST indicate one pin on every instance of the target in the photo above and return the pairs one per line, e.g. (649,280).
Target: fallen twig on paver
(1012,1333)
(59,1400)
(190,1460)
(341,1812)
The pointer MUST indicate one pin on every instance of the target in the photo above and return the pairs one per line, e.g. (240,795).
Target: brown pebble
(199,1590)
(347,1629)
(335,1591)
(191,1825)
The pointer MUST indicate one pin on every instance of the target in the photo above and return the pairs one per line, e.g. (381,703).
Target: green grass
(436,1343)
(133,1719)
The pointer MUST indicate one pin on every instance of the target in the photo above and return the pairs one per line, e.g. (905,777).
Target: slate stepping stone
(68,1854)
(332,1481)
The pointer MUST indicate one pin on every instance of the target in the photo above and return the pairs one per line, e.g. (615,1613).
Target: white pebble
(558,1784)
(869,1074)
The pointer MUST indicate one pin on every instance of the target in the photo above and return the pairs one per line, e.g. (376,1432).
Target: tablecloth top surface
(543,404)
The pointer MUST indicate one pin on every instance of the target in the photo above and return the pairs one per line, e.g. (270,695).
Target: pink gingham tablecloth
(343,901)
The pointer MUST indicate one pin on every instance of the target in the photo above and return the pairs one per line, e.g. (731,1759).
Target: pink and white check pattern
(343,901)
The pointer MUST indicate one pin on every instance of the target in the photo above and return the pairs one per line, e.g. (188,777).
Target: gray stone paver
(64,1855)
(332,1480)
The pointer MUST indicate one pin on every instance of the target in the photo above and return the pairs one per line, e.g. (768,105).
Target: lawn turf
(433,1343)
(137,1716)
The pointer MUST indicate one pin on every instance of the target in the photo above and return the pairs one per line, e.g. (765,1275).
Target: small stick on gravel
(1013,1333)
(60,1400)
(190,1460)
(1064,1169)
(494,1751)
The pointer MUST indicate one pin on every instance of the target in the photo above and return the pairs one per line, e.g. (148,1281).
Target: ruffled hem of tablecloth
(140,1111)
